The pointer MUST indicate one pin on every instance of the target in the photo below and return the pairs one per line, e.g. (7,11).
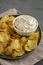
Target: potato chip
(10,31)
(1,23)
(8,50)
(15,44)
(6,35)
(23,40)
(16,36)
(4,25)
(5,18)
(1,49)
(20,53)
(9,22)
(32,44)
(26,47)
(11,18)
(34,36)
(2,37)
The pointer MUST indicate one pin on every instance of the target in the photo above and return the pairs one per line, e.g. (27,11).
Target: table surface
(35,56)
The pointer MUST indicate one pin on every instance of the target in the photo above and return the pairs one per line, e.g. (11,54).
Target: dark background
(31,7)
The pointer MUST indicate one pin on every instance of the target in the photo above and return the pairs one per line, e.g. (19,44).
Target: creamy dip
(25,24)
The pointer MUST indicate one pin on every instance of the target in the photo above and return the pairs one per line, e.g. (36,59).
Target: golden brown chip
(8,50)
(0,23)
(11,18)
(15,44)
(1,29)
(9,22)
(15,36)
(18,53)
(6,35)
(32,44)
(5,18)
(10,31)
(4,25)
(2,37)
(26,47)
(1,49)
(23,41)
(4,44)
(1,44)
(34,36)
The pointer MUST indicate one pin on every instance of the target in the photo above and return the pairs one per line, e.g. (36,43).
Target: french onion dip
(25,24)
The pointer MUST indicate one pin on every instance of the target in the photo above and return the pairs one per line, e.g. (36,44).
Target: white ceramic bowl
(25,24)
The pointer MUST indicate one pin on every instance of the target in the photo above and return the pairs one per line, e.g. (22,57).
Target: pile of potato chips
(12,43)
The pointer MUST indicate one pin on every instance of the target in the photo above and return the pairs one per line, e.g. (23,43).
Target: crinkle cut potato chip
(13,44)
